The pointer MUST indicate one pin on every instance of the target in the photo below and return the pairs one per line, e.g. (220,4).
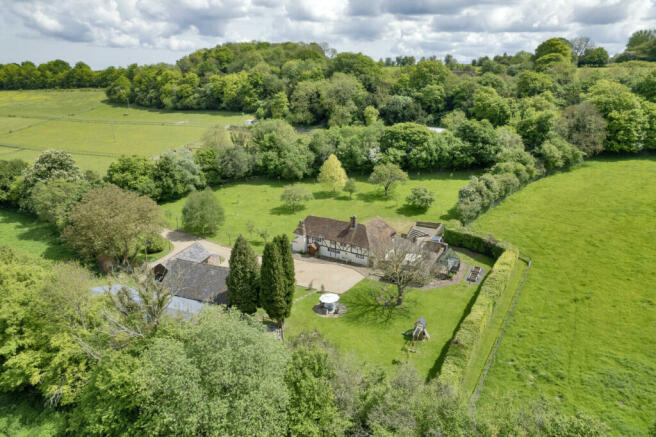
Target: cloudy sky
(120,32)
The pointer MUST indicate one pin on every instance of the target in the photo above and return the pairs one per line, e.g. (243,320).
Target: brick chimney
(301,224)
(353,222)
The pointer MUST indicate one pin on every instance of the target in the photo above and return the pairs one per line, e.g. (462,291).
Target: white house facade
(350,241)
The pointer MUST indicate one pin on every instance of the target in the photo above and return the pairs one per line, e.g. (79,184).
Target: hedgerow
(468,335)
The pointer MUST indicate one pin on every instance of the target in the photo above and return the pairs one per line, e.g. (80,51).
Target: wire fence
(503,330)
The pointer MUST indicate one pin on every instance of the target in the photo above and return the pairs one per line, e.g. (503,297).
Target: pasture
(257,201)
(583,334)
(96,133)
(372,334)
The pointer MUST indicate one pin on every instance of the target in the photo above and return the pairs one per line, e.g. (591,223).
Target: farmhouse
(191,274)
(346,241)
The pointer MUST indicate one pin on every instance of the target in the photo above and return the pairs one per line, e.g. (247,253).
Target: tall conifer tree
(285,248)
(244,278)
(273,284)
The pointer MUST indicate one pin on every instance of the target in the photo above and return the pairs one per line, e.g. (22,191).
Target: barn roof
(197,281)
(194,253)
(177,305)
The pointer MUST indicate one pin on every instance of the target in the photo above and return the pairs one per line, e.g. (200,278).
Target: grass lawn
(23,232)
(583,334)
(95,132)
(374,335)
(258,201)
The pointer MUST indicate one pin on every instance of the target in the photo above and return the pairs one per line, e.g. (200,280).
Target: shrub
(420,198)
(155,243)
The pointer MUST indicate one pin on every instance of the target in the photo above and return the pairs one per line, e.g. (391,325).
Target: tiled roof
(342,232)
(195,253)
(335,230)
(197,281)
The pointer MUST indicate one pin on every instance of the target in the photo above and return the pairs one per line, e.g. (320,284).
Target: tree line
(519,117)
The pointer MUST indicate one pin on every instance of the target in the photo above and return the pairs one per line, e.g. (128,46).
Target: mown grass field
(583,334)
(95,132)
(258,201)
(373,335)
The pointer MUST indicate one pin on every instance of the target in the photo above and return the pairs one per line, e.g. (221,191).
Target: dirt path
(334,277)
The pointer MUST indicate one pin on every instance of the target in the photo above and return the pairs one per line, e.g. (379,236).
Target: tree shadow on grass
(451,214)
(372,196)
(435,370)
(31,229)
(364,306)
(322,195)
(409,210)
(286,210)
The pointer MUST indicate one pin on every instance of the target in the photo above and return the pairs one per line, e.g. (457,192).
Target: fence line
(503,330)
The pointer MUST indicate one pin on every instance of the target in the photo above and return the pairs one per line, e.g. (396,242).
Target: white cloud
(380,28)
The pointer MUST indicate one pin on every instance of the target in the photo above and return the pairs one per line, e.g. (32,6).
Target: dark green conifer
(273,284)
(244,278)
(285,248)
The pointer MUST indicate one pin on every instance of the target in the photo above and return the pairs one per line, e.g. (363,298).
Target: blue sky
(121,32)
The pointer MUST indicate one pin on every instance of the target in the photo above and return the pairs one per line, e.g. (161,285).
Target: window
(358,256)
(332,250)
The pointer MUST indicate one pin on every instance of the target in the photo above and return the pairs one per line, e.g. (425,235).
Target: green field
(370,334)
(258,201)
(95,132)
(583,334)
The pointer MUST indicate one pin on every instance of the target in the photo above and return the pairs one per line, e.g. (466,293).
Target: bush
(155,243)
(420,198)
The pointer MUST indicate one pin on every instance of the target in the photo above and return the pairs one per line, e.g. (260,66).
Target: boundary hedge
(468,336)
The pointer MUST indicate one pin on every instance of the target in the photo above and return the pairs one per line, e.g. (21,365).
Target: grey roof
(177,306)
(196,281)
(195,253)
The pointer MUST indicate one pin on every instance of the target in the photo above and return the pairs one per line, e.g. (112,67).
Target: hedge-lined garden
(469,334)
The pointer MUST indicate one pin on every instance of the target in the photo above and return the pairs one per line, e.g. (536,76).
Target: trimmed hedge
(456,235)
(468,336)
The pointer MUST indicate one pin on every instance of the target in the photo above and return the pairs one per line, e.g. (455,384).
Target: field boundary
(503,329)
(469,335)
(109,122)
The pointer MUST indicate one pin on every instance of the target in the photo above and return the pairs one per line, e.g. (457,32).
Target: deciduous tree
(351,187)
(109,221)
(332,175)
(202,212)
(295,195)
(420,198)
(404,263)
(387,175)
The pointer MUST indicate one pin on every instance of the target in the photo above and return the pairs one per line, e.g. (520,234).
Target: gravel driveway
(334,277)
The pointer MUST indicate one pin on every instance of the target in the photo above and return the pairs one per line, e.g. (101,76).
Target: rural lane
(334,277)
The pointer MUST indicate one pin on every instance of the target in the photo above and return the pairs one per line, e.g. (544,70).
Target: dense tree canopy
(111,222)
